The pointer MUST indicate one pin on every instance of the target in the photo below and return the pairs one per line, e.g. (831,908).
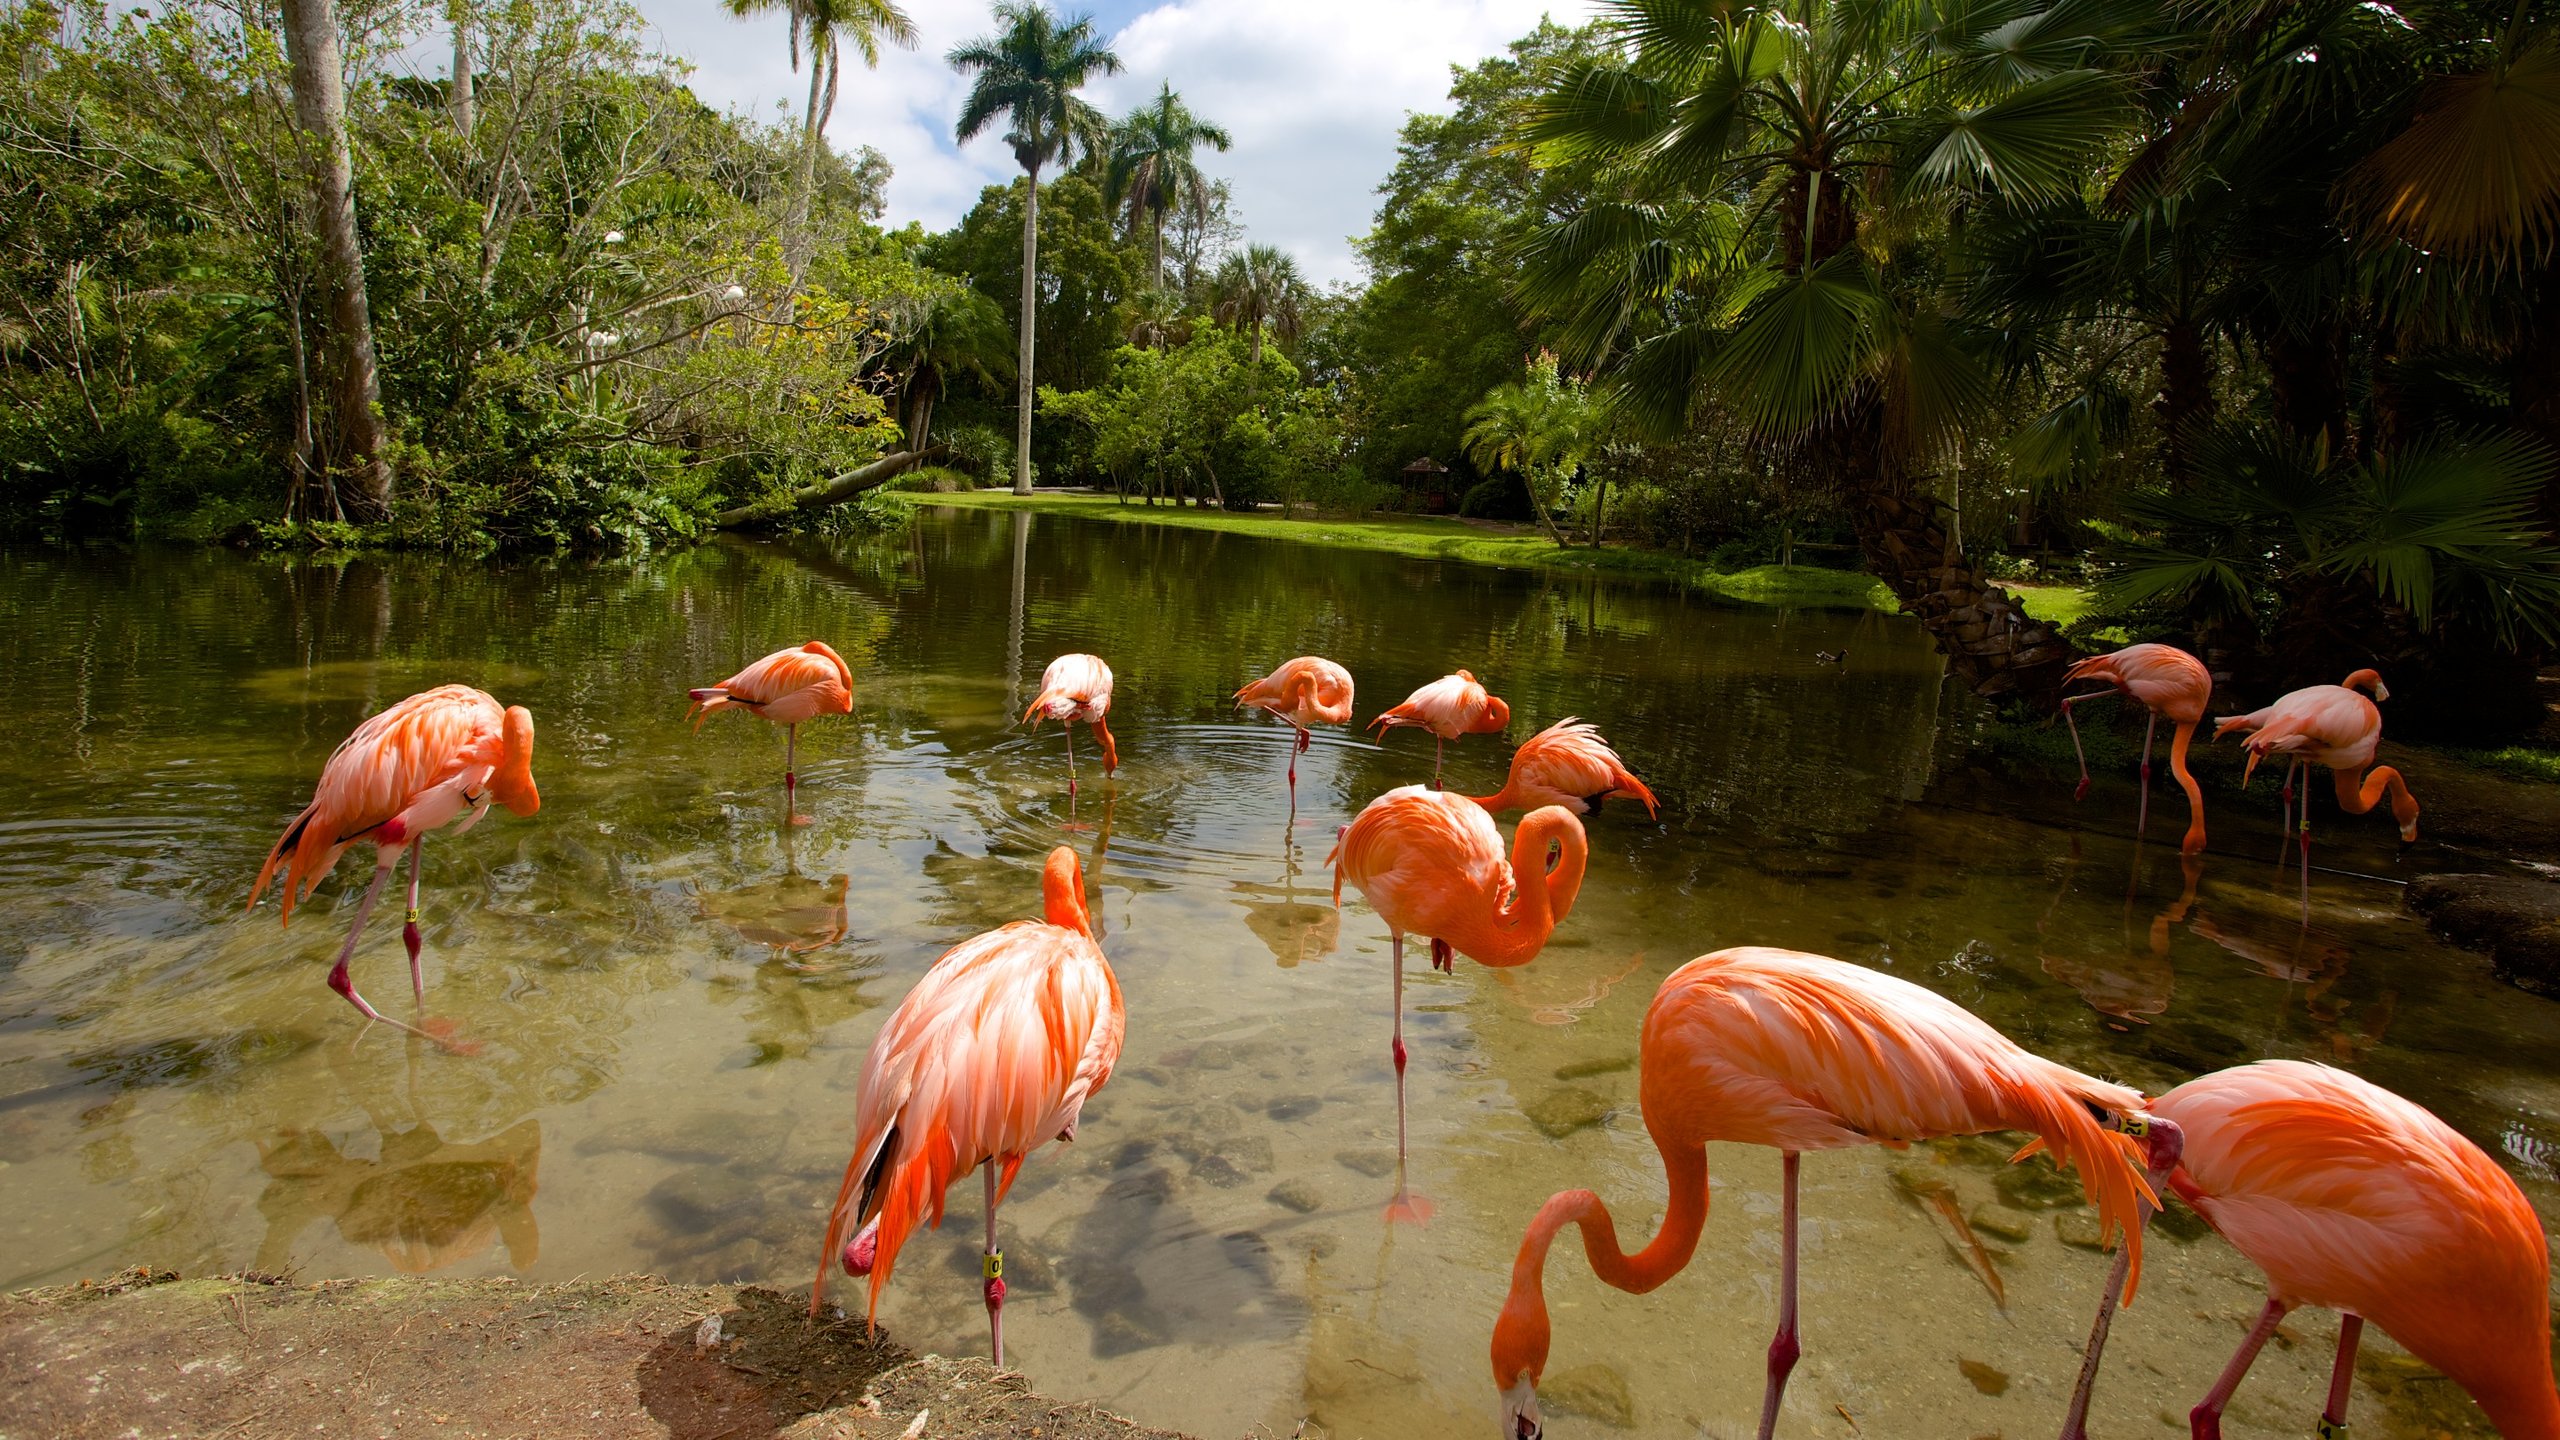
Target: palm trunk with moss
(320,104)
(1989,640)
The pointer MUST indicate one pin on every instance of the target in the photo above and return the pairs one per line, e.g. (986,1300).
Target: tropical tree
(825,26)
(1541,426)
(1027,73)
(1152,172)
(320,104)
(1743,158)
(1259,288)
(961,332)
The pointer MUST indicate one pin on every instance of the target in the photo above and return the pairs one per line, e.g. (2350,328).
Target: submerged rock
(1376,1164)
(1289,1108)
(1568,1108)
(1985,1378)
(1605,1065)
(1297,1195)
(1595,1392)
(2005,1223)
(2081,1229)
(2035,1185)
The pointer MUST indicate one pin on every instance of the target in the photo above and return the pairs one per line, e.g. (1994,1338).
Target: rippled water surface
(671,993)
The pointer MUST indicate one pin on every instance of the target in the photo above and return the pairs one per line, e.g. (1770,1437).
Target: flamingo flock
(2346,1196)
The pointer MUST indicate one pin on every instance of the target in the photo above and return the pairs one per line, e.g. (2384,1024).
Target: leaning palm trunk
(1030,302)
(320,105)
(1989,640)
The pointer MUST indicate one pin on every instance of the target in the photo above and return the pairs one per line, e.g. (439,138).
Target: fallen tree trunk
(826,492)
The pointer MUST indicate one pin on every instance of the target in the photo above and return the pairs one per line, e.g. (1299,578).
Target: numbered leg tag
(994,1267)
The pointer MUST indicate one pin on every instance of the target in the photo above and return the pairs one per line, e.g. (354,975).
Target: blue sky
(1312,90)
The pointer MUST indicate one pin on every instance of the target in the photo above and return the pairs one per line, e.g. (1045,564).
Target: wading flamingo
(1448,707)
(2328,725)
(785,687)
(1302,692)
(439,755)
(1077,688)
(1759,1046)
(2164,680)
(1567,764)
(2352,1198)
(992,1054)
(1431,863)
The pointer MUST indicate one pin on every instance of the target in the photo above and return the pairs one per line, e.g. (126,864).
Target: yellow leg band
(994,1265)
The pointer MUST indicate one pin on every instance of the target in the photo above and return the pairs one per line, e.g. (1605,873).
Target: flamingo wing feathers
(1802,1052)
(992,1053)
(797,684)
(1451,706)
(1302,692)
(1567,763)
(2328,724)
(1429,861)
(2351,1197)
(390,760)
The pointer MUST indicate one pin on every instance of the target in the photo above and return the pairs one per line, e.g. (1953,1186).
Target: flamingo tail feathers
(2110,1163)
(704,702)
(289,853)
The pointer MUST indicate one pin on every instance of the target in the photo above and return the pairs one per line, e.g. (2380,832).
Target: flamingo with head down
(436,757)
(1303,692)
(1077,689)
(1451,706)
(1432,863)
(2352,1198)
(2330,725)
(1798,1052)
(2163,680)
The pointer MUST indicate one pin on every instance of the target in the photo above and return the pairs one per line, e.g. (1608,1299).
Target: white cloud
(1313,91)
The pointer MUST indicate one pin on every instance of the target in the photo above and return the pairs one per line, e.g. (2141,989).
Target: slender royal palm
(1028,73)
(1259,288)
(826,27)
(1151,169)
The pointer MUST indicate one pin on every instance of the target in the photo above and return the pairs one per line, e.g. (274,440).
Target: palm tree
(1028,73)
(963,331)
(1259,288)
(1740,153)
(1151,168)
(1541,426)
(827,25)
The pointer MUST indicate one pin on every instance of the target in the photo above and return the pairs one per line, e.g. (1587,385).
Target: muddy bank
(151,1355)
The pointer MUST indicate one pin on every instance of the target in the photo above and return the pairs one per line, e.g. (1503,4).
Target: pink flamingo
(2163,680)
(992,1054)
(437,756)
(2328,725)
(2352,1198)
(1798,1052)
(1567,764)
(1077,688)
(1302,692)
(1448,707)
(1432,863)
(787,687)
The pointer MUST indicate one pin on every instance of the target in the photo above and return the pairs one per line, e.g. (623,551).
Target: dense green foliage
(2243,319)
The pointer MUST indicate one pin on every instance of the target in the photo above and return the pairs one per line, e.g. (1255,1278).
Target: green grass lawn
(1803,586)
(2052,604)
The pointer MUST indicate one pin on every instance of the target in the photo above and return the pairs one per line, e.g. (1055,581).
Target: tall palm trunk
(465,78)
(1030,309)
(1989,640)
(2185,400)
(320,105)
(806,182)
(1156,252)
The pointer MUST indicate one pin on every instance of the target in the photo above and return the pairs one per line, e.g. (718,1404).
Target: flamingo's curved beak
(1520,1418)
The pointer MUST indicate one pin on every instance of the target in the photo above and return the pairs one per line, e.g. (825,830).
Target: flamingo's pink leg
(2083,792)
(994,1268)
(2205,1421)
(344,984)
(2343,1376)
(409,935)
(1439,748)
(1404,1205)
(1070,728)
(2142,815)
(1783,1350)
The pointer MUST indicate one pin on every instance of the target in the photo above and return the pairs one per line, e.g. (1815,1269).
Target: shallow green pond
(671,1007)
